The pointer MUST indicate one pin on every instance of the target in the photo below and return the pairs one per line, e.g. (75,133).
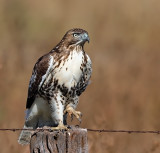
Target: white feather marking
(40,107)
(73,73)
(48,70)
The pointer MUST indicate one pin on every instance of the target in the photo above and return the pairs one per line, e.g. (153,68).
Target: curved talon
(71,112)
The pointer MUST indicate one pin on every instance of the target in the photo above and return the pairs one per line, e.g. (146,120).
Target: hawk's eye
(75,34)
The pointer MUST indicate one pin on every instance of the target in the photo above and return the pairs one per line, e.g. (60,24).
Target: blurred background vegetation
(124,48)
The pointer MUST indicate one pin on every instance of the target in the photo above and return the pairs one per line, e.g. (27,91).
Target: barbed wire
(90,130)
(125,131)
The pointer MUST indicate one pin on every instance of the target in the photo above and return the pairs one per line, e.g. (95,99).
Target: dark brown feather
(39,70)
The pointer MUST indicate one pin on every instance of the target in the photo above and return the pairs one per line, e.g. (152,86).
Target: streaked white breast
(69,73)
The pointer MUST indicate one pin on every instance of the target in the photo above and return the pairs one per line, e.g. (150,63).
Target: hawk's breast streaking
(58,79)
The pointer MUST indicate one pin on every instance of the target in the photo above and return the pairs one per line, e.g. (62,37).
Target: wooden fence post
(72,141)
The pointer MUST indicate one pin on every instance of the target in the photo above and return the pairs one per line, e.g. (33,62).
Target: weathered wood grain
(72,141)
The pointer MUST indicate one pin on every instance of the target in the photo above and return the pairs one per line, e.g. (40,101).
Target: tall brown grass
(125,51)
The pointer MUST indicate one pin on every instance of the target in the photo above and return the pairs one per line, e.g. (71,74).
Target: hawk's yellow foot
(71,111)
(60,127)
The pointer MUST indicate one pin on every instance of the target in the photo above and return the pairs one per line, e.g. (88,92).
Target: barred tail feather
(25,136)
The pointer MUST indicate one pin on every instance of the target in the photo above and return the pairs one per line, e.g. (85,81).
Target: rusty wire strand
(125,131)
(90,130)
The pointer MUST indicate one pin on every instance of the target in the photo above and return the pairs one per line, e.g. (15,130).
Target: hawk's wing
(41,69)
(85,79)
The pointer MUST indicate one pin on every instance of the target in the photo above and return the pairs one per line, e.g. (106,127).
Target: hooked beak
(85,37)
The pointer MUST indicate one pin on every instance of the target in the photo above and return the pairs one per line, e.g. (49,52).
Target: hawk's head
(75,37)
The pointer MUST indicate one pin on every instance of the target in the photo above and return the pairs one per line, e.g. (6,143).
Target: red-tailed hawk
(58,79)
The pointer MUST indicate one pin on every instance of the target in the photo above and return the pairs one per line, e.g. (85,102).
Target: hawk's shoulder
(40,71)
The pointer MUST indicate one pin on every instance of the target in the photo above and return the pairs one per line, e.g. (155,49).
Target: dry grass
(125,44)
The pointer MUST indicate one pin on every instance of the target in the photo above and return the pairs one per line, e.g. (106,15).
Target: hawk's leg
(57,107)
(70,109)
